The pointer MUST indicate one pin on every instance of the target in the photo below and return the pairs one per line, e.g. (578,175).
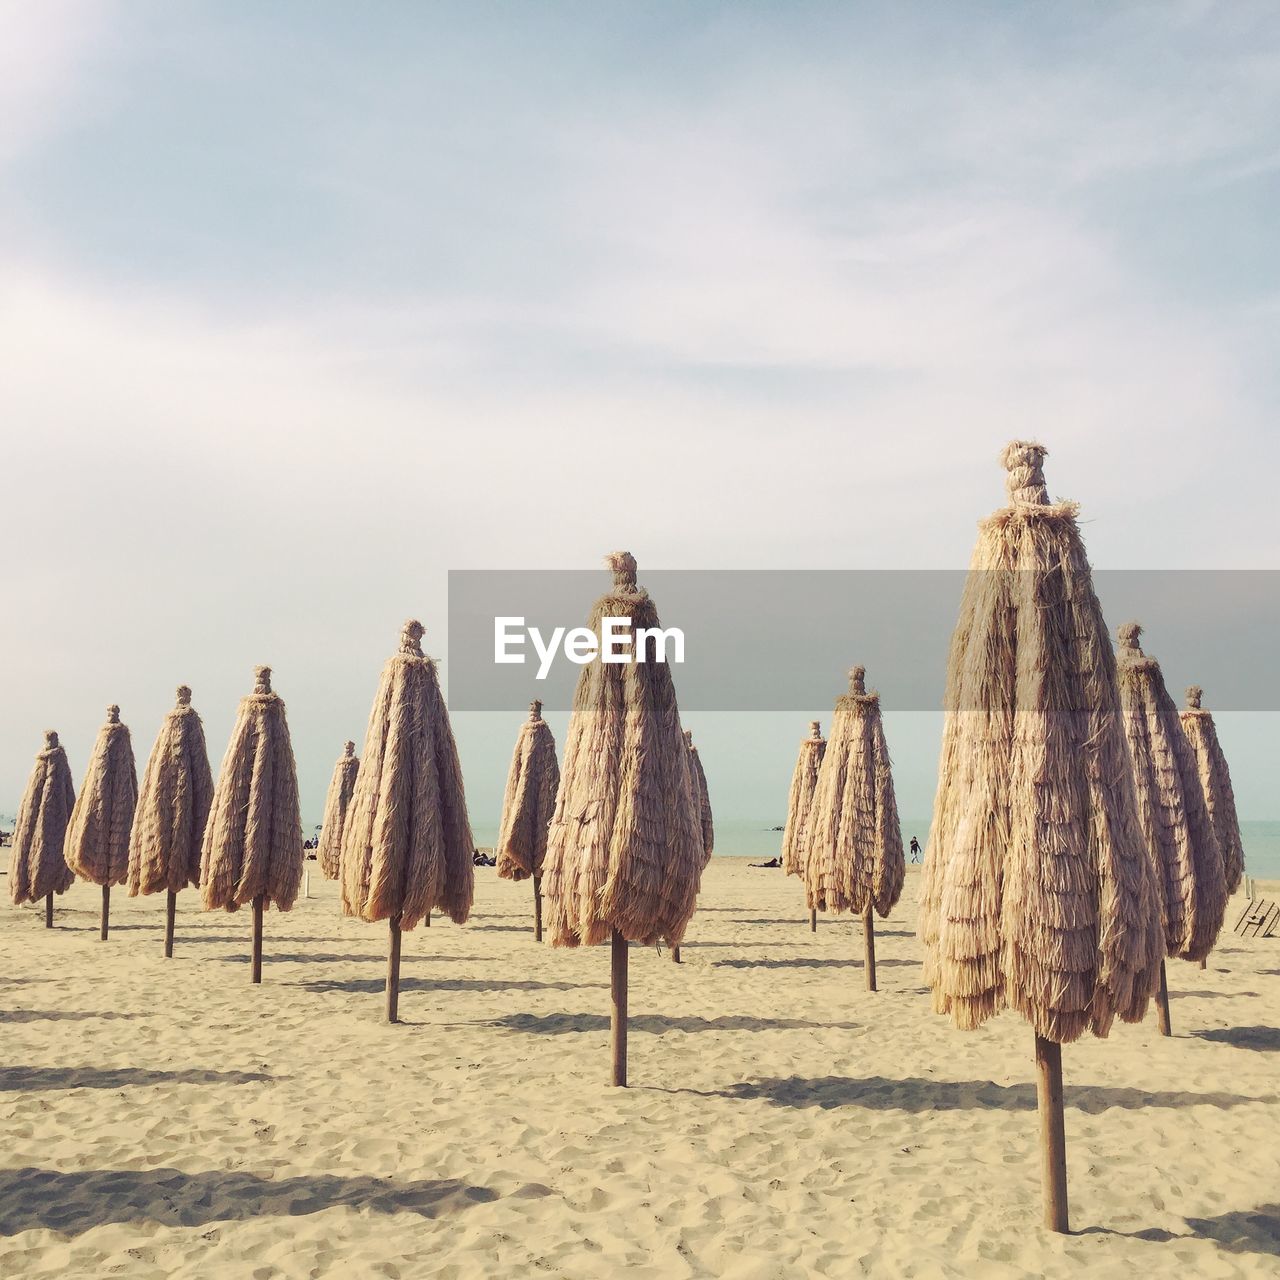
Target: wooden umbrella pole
(256,974)
(618,1001)
(869,935)
(1162,1004)
(1053,1133)
(675,954)
(393,971)
(106,910)
(813,919)
(1204,964)
(170,911)
(48,911)
(537,908)
(427,919)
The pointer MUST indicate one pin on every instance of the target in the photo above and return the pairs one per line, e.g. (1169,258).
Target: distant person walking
(915,849)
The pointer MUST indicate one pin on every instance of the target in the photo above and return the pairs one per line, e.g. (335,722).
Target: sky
(304,304)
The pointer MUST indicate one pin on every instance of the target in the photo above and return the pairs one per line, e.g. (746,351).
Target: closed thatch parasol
(406,844)
(1038,892)
(527,807)
(1215,782)
(252,850)
(98,833)
(804,782)
(701,807)
(1185,857)
(37,867)
(336,806)
(855,860)
(173,806)
(625,853)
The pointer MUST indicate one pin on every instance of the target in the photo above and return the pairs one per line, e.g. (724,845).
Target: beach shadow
(911,1094)
(1263,1039)
(25,1079)
(72,1203)
(502,928)
(810,962)
(182,939)
(1238,1231)
(555,1024)
(447,984)
(1209,995)
(302,957)
(61,1015)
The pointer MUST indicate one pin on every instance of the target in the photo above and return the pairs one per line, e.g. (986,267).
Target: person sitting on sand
(773,862)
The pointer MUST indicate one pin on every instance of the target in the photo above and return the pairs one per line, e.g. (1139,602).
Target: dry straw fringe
(98,835)
(625,850)
(804,782)
(173,805)
(253,840)
(1187,863)
(701,799)
(341,788)
(1215,781)
(1037,889)
(406,844)
(855,846)
(530,800)
(37,867)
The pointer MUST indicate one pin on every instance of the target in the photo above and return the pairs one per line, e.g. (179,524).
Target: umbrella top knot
(184,695)
(1194,694)
(535,710)
(348,750)
(50,739)
(411,638)
(113,714)
(857,680)
(688,737)
(262,679)
(1129,633)
(1024,461)
(623,564)
(815,729)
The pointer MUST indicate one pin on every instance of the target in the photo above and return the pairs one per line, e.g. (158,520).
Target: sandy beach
(166,1119)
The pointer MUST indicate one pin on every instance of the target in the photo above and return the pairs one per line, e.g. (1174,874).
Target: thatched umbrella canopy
(37,867)
(252,850)
(98,834)
(406,844)
(173,806)
(804,782)
(1038,892)
(1189,874)
(855,860)
(1215,782)
(527,807)
(625,852)
(701,807)
(336,807)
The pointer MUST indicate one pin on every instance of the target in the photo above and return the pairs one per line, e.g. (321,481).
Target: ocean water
(752,838)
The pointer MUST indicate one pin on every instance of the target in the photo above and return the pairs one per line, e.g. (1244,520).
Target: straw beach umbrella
(1185,858)
(527,807)
(173,806)
(336,806)
(252,849)
(1215,782)
(625,852)
(406,843)
(1037,891)
(855,860)
(98,833)
(37,867)
(804,782)
(702,808)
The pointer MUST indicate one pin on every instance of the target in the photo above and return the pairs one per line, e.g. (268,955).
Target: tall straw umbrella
(527,807)
(98,833)
(252,849)
(406,844)
(336,807)
(624,856)
(1185,858)
(1215,781)
(804,782)
(1037,891)
(855,860)
(701,807)
(173,806)
(37,867)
